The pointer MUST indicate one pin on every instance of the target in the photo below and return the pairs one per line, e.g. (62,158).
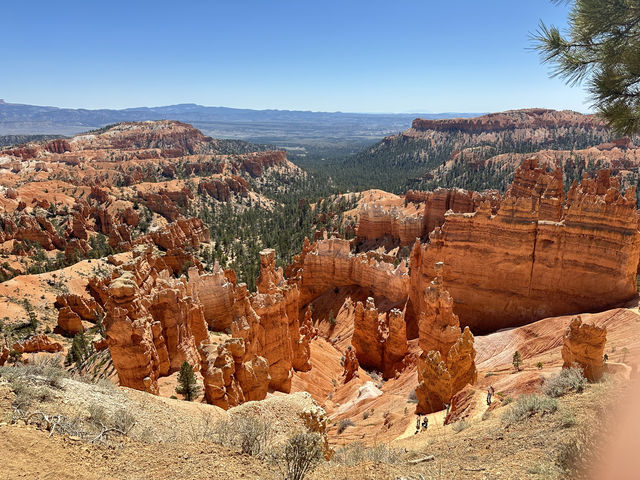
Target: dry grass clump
(527,406)
(249,434)
(356,453)
(460,426)
(344,424)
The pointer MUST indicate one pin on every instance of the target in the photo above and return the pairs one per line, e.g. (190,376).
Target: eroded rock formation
(441,376)
(379,339)
(37,343)
(152,325)
(327,264)
(73,309)
(230,379)
(583,344)
(377,222)
(520,265)
(350,364)
(447,362)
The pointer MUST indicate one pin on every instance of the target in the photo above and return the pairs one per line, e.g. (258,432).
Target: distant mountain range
(288,126)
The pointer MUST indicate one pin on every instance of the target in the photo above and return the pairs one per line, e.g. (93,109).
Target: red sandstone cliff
(525,263)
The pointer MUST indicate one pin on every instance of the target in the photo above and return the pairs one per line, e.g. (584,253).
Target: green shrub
(517,360)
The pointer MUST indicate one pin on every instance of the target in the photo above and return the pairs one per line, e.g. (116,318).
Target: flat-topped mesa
(583,345)
(327,264)
(256,163)
(533,118)
(379,338)
(519,265)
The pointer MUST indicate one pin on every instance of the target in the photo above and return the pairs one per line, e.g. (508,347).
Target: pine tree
(517,360)
(602,48)
(187,383)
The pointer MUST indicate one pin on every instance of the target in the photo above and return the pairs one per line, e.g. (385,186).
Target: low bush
(300,455)
(568,380)
(566,420)
(528,405)
(249,434)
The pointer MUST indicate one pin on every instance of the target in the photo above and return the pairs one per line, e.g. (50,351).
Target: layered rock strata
(327,264)
(377,222)
(521,265)
(229,379)
(441,376)
(37,343)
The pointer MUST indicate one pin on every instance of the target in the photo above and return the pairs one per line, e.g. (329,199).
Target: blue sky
(349,55)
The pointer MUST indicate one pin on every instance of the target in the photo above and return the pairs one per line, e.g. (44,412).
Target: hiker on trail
(446,408)
(490,392)
(417,425)
(425,423)
(605,357)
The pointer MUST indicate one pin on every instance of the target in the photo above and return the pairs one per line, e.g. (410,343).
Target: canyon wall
(379,338)
(539,256)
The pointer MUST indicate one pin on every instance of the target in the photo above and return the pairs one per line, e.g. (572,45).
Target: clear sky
(348,55)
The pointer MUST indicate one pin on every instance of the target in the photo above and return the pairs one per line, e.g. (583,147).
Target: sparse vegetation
(460,426)
(249,434)
(568,380)
(528,405)
(300,455)
(344,424)
(356,453)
